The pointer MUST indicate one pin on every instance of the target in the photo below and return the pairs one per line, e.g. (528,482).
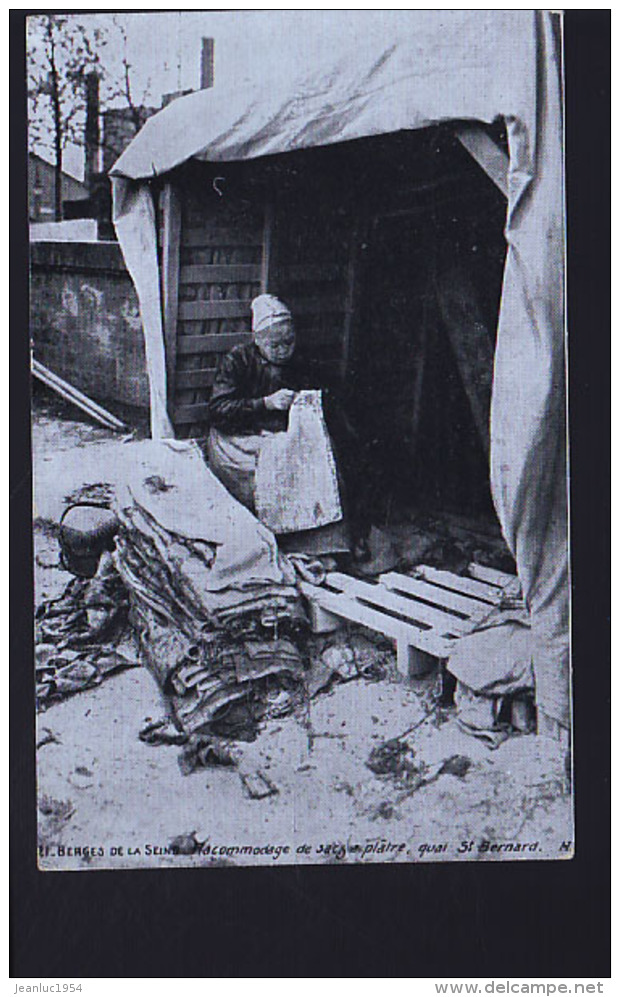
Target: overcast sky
(164,48)
(248,44)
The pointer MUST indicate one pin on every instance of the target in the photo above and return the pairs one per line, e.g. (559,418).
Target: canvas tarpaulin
(424,68)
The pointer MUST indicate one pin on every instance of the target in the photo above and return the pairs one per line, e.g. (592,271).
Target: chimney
(206,64)
(91,131)
(206,73)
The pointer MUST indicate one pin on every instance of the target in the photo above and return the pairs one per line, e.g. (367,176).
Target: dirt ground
(108,800)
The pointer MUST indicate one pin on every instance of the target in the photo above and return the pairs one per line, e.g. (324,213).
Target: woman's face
(277,342)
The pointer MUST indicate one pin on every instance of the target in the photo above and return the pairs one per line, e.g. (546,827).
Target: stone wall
(85,321)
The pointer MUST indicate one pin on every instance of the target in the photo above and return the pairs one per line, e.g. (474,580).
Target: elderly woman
(254,388)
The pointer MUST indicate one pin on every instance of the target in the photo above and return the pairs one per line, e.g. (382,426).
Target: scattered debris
(162,732)
(55,815)
(309,569)
(185,844)
(413,548)
(378,554)
(457,765)
(101,492)
(238,720)
(205,752)
(82,637)
(394,757)
(58,809)
(280,703)
(258,785)
(346,656)
(48,738)
(81,777)
(341,661)
(425,775)
(384,810)
(48,565)
(155,483)
(46,527)
(318,677)
(74,677)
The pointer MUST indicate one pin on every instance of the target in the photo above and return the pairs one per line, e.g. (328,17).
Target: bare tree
(137,109)
(61,51)
(120,89)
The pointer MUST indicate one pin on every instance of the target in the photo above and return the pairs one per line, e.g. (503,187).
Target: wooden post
(266,273)
(171,211)
(322,621)
(471,344)
(413,663)
(350,298)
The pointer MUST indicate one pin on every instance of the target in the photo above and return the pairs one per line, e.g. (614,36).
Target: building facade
(41,189)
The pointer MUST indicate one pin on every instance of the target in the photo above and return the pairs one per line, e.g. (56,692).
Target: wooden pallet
(425,612)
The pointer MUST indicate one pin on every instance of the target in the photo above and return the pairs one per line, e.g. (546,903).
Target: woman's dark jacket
(244,378)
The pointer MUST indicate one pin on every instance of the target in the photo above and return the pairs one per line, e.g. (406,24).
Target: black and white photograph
(300,457)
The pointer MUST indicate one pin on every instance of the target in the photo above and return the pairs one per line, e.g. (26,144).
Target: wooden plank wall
(220,259)
(292,225)
(230,248)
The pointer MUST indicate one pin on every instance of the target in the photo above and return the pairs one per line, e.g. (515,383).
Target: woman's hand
(280,401)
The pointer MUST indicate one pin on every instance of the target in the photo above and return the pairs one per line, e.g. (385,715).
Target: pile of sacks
(213,600)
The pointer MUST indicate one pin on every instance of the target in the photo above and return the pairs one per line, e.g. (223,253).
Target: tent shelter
(304,188)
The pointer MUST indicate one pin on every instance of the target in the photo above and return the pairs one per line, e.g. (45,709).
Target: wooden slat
(221,273)
(184,414)
(203,310)
(471,344)
(350,609)
(444,623)
(467,586)
(195,378)
(486,152)
(493,577)
(211,342)
(171,207)
(432,593)
(70,393)
(210,236)
(197,311)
